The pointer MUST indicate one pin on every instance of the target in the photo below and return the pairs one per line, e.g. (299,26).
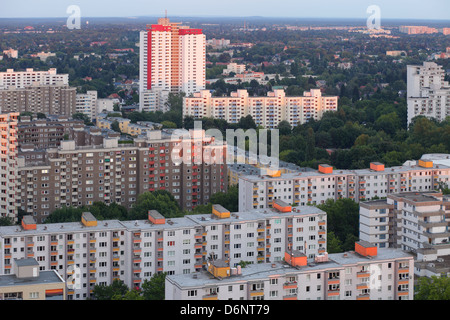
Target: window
(192,293)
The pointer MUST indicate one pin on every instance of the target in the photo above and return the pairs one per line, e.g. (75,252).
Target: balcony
(363,274)
(211,296)
(290,285)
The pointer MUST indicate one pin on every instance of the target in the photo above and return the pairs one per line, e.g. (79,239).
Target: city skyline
(415,9)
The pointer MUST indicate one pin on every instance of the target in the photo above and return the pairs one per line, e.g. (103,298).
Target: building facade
(427,93)
(23,79)
(266,111)
(91,252)
(29,283)
(172,59)
(415,222)
(8,165)
(367,273)
(45,133)
(315,187)
(56,99)
(95,167)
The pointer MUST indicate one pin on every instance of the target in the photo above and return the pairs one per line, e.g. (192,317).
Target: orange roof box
(272,173)
(365,248)
(426,163)
(295,258)
(220,211)
(281,206)
(28,223)
(155,217)
(376,166)
(325,168)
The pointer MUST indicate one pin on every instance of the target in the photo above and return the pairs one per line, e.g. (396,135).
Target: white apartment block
(23,79)
(172,59)
(8,165)
(11,53)
(427,93)
(315,187)
(376,223)
(414,222)
(363,274)
(86,103)
(89,104)
(235,68)
(266,111)
(93,252)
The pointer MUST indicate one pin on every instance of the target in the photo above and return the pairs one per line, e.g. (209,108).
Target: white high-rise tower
(172,59)
(427,92)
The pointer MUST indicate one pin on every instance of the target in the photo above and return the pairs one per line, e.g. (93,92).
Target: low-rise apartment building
(29,283)
(45,133)
(367,273)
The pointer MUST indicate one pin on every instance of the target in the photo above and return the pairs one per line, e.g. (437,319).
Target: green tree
(334,245)
(160,200)
(284,127)
(154,289)
(115,126)
(342,220)
(169,124)
(83,117)
(6,221)
(106,292)
(310,145)
(433,288)
(129,295)
(228,200)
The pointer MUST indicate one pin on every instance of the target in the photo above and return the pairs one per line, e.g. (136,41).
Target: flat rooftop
(45,277)
(337,172)
(417,196)
(261,271)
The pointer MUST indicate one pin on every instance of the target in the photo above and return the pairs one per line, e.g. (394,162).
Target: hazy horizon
(296,9)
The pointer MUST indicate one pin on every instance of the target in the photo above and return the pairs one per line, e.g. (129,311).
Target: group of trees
(160,200)
(342,224)
(152,289)
(362,132)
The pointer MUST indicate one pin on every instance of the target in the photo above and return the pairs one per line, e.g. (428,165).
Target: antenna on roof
(166,14)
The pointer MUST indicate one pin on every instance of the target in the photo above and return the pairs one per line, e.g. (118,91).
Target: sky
(389,9)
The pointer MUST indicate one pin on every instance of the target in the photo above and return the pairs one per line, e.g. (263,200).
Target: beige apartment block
(266,111)
(29,283)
